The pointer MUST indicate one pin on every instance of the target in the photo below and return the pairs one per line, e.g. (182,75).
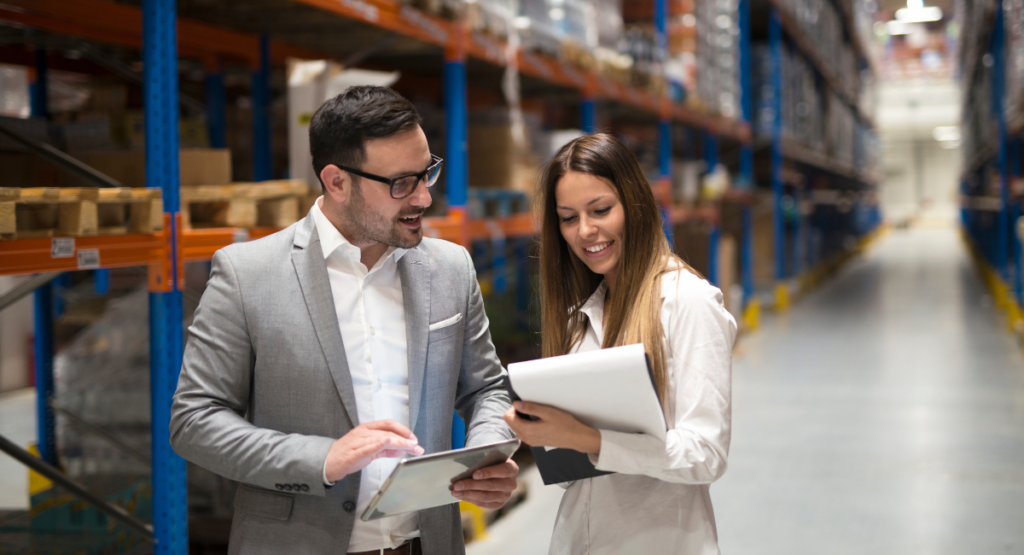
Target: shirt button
(373,331)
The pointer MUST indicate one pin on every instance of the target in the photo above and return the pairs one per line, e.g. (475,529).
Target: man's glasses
(403,186)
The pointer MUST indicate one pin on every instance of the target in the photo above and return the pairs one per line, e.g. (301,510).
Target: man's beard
(369,225)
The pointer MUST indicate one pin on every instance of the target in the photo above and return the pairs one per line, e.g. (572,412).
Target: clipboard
(638,407)
(422,482)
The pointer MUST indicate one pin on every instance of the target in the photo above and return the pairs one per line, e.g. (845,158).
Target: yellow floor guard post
(477,517)
(37,483)
(781,296)
(752,315)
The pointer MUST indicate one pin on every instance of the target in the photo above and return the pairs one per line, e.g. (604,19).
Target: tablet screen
(422,482)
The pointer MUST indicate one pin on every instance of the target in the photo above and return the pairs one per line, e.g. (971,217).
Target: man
(320,353)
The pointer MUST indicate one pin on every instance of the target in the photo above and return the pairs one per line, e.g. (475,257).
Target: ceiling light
(556,14)
(919,15)
(897,28)
(946,133)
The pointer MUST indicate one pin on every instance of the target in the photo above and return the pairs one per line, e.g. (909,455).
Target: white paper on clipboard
(607,389)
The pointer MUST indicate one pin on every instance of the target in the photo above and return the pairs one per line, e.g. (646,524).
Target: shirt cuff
(622,452)
(326,483)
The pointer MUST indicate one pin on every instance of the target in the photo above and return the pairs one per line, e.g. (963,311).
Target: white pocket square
(445,323)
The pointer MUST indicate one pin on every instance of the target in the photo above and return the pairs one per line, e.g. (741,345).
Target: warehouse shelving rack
(164,34)
(990,220)
(782,26)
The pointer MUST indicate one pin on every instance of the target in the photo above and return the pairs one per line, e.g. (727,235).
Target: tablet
(422,482)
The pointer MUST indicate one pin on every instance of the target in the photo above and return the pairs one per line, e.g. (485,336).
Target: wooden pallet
(36,212)
(264,204)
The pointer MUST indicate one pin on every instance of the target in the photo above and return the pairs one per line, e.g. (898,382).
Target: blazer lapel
(415,275)
(311,269)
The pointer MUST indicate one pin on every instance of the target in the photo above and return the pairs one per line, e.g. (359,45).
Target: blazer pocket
(444,329)
(445,323)
(264,503)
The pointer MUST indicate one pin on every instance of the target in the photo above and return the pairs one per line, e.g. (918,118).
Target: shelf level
(806,46)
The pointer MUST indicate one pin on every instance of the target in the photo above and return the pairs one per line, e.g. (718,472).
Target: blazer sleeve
(700,333)
(208,424)
(481,399)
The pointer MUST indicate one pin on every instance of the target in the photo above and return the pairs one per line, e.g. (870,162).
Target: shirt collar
(331,239)
(594,307)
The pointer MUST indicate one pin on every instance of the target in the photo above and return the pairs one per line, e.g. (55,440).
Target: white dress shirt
(658,502)
(371,315)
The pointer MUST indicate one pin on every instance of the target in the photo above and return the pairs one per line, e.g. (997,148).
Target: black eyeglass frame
(390,181)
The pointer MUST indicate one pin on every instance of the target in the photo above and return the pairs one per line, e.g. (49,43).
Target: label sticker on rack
(88,259)
(240,235)
(62,247)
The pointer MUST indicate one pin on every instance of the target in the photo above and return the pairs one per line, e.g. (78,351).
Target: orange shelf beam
(29,256)
(121,24)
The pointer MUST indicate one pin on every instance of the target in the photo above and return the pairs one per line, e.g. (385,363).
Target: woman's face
(592,220)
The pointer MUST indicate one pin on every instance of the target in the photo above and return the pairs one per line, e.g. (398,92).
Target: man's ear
(337,183)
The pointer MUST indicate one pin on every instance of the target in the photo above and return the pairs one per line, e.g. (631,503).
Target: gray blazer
(265,388)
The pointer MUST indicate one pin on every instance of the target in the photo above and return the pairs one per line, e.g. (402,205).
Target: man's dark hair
(340,128)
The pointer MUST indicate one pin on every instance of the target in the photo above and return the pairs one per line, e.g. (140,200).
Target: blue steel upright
(714,238)
(38,88)
(216,102)
(43,351)
(746,178)
(262,151)
(1015,170)
(588,114)
(160,90)
(44,308)
(456,166)
(775,49)
(665,122)
(998,95)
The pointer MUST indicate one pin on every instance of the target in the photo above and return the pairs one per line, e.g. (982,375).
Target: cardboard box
(128,130)
(33,128)
(23,169)
(693,244)
(199,166)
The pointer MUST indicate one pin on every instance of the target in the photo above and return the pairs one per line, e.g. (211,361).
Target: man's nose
(421,195)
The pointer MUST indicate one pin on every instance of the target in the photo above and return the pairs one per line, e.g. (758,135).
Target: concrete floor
(883,414)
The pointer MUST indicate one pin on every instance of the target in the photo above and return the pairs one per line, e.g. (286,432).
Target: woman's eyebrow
(592,201)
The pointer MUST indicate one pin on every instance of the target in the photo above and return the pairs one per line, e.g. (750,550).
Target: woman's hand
(553,428)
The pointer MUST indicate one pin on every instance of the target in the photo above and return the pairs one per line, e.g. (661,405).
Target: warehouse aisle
(884,414)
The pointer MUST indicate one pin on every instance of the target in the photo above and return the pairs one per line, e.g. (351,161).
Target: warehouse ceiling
(893,5)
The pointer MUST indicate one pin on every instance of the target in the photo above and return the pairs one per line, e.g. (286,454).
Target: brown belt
(407,548)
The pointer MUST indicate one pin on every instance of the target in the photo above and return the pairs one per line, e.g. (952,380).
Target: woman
(609,278)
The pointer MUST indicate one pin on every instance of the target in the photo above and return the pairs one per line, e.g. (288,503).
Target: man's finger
(392,453)
(507,469)
(396,440)
(390,425)
(497,484)
(481,497)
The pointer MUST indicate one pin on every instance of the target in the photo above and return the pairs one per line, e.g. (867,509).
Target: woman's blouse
(658,500)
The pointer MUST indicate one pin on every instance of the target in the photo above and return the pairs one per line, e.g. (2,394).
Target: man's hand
(366,443)
(552,428)
(489,487)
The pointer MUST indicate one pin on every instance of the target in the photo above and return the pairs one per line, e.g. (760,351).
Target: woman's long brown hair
(634,314)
